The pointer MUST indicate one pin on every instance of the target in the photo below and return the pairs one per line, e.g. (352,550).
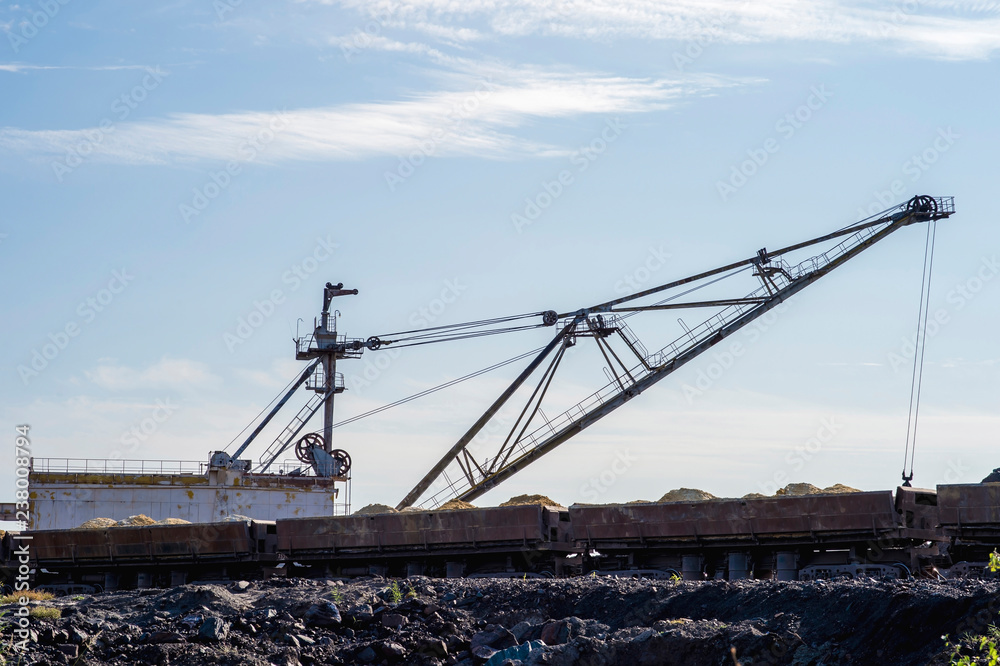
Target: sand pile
(455,504)
(755,496)
(796,489)
(839,488)
(687,495)
(173,521)
(136,521)
(98,523)
(373,509)
(236,518)
(521,500)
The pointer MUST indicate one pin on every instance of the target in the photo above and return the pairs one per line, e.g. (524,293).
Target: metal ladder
(284,440)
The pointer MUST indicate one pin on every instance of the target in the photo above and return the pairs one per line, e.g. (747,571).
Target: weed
(412,594)
(994,562)
(674,578)
(30,595)
(986,647)
(45,613)
(337,596)
(395,596)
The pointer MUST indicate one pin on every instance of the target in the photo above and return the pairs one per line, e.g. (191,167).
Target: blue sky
(187,164)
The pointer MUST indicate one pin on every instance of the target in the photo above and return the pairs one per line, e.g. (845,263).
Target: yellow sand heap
(521,500)
(136,521)
(456,504)
(173,521)
(373,509)
(98,523)
(796,489)
(838,488)
(687,495)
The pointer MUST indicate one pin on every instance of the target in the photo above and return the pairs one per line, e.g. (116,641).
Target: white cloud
(938,28)
(25,67)
(478,116)
(167,373)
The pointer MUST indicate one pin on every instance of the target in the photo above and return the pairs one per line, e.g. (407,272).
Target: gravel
(588,621)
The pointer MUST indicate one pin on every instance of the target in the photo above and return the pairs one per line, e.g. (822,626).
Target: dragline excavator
(465,473)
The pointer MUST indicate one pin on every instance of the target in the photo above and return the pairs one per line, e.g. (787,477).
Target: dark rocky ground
(569,622)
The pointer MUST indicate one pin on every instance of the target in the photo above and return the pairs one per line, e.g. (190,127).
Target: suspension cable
(691,290)
(919,347)
(266,407)
(441,330)
(437,388)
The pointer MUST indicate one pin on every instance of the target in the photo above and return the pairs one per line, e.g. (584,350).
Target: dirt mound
(236,518)
(687,495)
(797,489)
(456,504)
(373,509)
(839,488)
(521,500)
(98,523)
(173,521)
(136,521)
(755,496)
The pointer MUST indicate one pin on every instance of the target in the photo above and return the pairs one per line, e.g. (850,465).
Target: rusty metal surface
(969,504)
(750,518)
(145,543)
(427,529)
(180,541)
(69,545)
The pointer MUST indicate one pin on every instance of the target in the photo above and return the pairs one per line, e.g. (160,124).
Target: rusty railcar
(144,556)
(788,538)
(514,540)
(969,517)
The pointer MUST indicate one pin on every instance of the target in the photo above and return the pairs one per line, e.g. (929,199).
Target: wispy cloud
(937,28)
(25,67)
(166,373)
(480,115)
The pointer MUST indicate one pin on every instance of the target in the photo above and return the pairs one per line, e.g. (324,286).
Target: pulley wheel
(923,204)
(304,447)
(342,457)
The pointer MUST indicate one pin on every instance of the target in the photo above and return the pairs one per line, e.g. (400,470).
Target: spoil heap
(521,500)
(687,495)
(838,488)
(98,523)
(373,509)
(456,504)
(136,521)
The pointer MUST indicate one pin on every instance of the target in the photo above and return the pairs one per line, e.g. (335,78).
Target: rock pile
(511,622)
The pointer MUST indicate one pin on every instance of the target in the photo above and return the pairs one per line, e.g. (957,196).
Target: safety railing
(111,466)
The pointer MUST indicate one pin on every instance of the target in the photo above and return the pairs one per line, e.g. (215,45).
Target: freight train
(946,532)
